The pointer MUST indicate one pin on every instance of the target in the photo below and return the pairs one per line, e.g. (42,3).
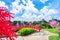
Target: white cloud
(2,4)
(46,11)
(17,0)
(16,19)
(24,1)
(16,8)
(30,10)
(43,1)
(52,11)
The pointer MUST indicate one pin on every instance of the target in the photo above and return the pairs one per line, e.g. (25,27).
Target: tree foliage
(5,25)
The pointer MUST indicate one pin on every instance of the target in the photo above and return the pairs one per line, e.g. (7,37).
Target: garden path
(42,35)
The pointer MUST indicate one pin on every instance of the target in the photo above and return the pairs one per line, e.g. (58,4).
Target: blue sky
(33,10)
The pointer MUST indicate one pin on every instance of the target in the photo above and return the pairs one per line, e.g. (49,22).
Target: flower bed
(36,28)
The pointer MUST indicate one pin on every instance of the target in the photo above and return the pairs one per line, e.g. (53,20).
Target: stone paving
(43,35)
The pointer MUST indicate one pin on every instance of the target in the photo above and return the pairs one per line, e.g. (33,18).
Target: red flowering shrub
(5,26)
(36,28)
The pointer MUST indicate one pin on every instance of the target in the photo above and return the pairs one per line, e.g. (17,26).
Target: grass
(52,31)
(54,38)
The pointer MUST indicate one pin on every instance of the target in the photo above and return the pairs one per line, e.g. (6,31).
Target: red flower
(5,26)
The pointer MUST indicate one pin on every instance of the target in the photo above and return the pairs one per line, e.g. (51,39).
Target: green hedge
(54,38)
(25,31)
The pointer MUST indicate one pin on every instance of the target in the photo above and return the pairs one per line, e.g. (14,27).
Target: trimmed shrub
(25,31)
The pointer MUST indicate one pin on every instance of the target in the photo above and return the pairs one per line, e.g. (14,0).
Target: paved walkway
(43,35)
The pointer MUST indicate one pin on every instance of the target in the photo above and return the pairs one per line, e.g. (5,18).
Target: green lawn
(52,31)
(54,38)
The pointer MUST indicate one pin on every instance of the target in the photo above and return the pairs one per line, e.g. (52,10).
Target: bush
(54,38)
(25,31)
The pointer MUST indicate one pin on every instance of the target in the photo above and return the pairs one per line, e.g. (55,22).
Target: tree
(14,22)
(35,23)
(25,22)
(44,24)
(19,22)
(5,25)
(53,23)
